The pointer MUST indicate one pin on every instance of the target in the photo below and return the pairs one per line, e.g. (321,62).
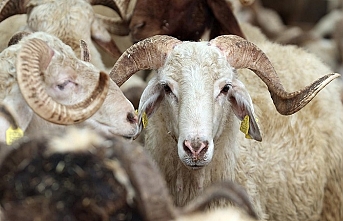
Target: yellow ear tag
(144,119)
(13,135)
(245,127)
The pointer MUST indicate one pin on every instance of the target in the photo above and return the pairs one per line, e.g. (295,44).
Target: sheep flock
(174,110)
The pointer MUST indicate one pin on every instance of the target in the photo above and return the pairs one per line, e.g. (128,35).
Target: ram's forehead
(196,59)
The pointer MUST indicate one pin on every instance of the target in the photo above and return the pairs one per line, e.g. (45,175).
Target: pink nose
(195,148)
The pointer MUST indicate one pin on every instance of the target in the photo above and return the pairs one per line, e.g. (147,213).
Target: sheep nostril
(132,118)
(195,149)
(188,148)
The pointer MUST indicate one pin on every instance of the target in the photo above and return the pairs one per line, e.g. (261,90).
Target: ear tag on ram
(144,119)
(13,135)
(245,127)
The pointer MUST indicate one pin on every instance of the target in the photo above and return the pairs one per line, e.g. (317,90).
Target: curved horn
(32,56)
(12,7)
(120,6)
(85,54)
(152,196)
(114,25)
(241,53)
(149,53)
(228,190)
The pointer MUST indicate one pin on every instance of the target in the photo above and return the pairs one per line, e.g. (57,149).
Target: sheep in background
(79,175)
(9,27)
(197,99)
(72,91)
(70,20)
(183,19)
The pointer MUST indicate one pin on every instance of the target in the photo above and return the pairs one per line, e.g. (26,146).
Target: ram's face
(199,88)
(74,80)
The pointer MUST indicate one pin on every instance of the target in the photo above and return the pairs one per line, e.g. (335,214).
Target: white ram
(42,75)
(203,90)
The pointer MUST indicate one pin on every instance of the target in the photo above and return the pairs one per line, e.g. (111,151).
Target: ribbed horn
(149,53)
(114,25)
(12,7)
(152,196)
(31,57)
(85,54)
(241,53)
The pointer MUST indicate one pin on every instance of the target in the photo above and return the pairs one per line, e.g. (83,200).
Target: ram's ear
(242,106)
(150,99)
(15,114)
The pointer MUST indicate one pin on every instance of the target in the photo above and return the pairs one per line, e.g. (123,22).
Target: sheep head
(183,19)
(62,89)
(197,86)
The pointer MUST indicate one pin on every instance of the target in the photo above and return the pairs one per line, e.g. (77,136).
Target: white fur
(295,173)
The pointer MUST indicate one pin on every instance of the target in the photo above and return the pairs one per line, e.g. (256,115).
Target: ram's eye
(62,86)
(226,88)
(166,88)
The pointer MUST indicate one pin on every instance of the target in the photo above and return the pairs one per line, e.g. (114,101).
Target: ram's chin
(194,165)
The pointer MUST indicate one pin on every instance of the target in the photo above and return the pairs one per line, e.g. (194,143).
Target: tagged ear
(150,99)
(242,106)
(14,113)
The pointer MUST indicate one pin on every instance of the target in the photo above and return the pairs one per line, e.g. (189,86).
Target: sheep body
(295,173)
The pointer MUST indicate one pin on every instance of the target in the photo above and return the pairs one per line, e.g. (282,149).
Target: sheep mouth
(196,167)
(130,138)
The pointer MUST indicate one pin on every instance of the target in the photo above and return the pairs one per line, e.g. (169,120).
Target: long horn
(114,25)
(31,57)
(227,190)
(120,6)
(149,53)
(85,54)
(152,196)
(12,7)
(241,53)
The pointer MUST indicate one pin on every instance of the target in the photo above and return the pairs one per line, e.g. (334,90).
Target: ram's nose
(132,118)
(195,148)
